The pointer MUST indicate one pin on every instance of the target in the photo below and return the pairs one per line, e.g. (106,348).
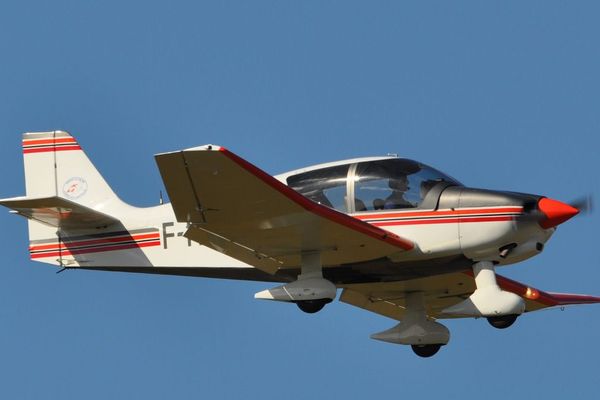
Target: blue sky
(502,95)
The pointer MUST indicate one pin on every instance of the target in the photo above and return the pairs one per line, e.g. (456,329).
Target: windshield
(394,184)
(388,184)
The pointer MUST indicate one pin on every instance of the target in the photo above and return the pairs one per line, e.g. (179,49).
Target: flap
(443,291)
(59,212)
(238,209)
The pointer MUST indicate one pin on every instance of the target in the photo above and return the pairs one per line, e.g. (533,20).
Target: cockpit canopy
(384,184)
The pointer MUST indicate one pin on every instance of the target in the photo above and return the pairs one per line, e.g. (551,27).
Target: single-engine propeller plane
(400,238)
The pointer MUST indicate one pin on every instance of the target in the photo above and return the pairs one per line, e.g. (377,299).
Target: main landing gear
(425,336)
(311,292)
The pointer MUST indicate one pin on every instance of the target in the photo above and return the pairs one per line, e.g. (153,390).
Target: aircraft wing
(446,290)
(234,207)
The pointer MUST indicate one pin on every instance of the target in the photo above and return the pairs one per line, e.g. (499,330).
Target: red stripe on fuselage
(97,249)
(67,245)
(444,221)
(469,211)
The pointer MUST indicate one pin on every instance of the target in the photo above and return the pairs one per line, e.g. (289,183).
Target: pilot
(396,199)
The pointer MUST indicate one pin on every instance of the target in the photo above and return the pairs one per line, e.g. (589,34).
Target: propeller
(585,204)
(549,213)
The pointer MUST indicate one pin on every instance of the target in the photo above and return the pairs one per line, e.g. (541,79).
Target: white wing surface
(234,207)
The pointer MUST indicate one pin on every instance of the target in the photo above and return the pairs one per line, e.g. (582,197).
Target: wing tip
(204,147)
(549,299)
(563,299)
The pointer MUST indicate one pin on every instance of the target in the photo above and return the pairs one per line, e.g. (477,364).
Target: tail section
(74,217)
(66,195)
(56,166)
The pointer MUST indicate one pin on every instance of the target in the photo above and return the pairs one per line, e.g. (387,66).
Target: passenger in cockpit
(399,186)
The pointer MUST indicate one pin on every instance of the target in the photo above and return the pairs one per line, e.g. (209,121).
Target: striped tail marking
(50,145)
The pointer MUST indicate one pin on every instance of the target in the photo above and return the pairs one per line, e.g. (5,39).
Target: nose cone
(556,212)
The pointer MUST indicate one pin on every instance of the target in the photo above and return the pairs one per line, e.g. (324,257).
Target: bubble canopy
(374,185)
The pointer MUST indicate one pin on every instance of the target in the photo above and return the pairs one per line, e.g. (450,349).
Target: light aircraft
(400,238)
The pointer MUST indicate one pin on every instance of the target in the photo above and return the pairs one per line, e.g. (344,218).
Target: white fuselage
(154,239)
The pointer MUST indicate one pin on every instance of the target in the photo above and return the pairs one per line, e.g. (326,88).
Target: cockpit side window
(395,184)
(325,186)
(382,185)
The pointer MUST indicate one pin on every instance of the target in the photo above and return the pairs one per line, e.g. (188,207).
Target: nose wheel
(503,321)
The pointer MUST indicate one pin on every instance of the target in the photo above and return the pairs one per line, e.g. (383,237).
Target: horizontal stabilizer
(58,212)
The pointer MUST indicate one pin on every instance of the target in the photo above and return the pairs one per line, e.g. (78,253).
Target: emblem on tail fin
(75,187)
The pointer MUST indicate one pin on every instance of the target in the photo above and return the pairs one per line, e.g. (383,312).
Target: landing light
(532,294)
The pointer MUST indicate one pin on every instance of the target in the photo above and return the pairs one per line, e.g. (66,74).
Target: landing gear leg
(311,292)
(424,335)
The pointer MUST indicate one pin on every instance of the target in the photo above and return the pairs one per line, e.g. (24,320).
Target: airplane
(399,238)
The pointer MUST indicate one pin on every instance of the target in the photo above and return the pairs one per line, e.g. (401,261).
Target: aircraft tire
(426,350)
(503,321)
(312,306)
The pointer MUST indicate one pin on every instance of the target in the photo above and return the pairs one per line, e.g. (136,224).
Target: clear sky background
(501,95)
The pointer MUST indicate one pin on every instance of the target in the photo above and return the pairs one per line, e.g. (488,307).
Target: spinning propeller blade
(585,204)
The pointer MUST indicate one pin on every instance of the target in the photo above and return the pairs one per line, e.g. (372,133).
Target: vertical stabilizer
(55,165)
